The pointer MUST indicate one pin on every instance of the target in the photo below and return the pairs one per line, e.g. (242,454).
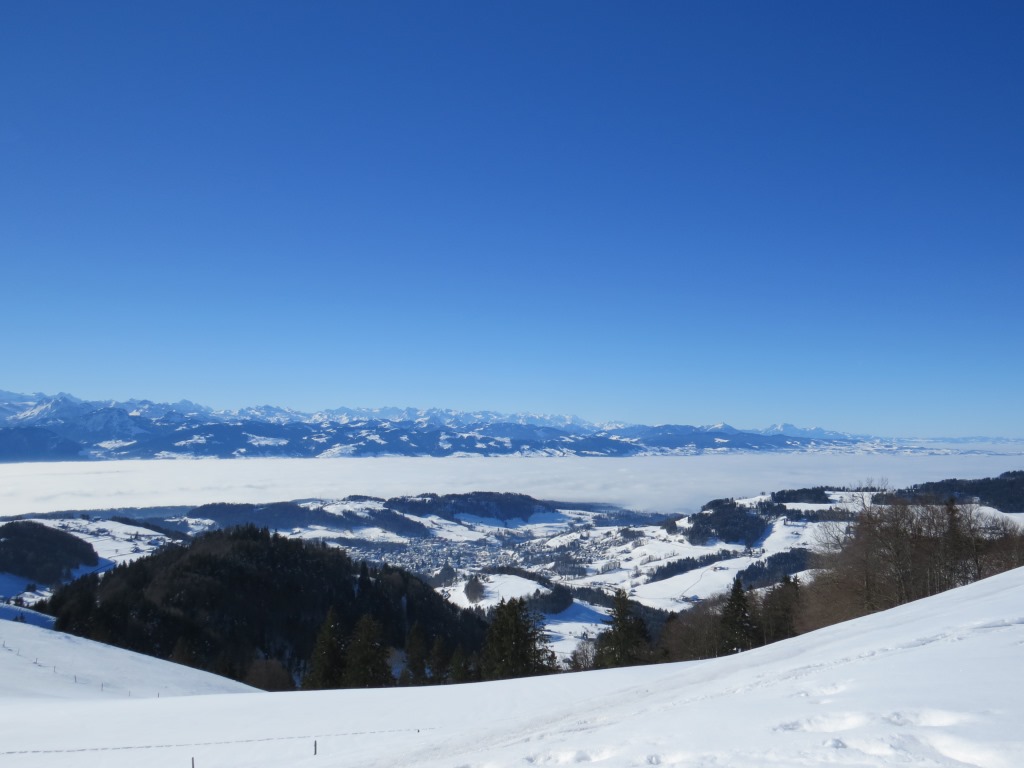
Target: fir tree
(779,610)
(327,664)
(625,641)
(738,630)
(366,662)
(515,644)
(439,660)
(461,670)
(364,584)
(474,589)
(416,655)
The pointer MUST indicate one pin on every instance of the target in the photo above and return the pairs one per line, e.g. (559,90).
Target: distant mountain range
(62,427)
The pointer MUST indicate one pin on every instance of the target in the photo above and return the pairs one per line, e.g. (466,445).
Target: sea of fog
(652,483)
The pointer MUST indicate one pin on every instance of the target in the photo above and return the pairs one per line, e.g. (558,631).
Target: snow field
(497,587)
(113,541)
(565,630)
(39,663)
(27,615)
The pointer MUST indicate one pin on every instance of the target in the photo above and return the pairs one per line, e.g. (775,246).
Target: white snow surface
(935,683)
(113,541)
(497,587)
(40,664)
(657,483)
(10,612)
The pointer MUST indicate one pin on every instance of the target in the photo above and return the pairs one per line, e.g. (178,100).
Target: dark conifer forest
(42,553)
(249,604)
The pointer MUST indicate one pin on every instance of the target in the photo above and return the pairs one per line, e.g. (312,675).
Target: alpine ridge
(62,427)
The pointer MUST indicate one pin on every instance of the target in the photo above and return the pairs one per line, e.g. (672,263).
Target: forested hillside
(41,553)
(249,604)
(1005,492)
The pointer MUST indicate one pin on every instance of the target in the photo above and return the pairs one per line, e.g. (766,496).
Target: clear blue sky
(655,212)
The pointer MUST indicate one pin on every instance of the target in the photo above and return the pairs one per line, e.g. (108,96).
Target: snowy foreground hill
(933,683)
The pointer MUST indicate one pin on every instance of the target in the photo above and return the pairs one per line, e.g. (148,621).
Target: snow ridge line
(212,743)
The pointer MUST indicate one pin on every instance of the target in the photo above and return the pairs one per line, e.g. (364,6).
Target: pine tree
(364,584)
(327,664)
(779,610)
(439,661)
(461,670)
(474,589)
(366,662)
(416,655)
(738,630)
(515,644)
(625,641)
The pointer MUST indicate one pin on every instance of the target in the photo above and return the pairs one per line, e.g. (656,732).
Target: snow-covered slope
(38,663)
(935,683)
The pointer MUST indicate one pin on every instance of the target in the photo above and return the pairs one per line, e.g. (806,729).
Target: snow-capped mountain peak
(36,427)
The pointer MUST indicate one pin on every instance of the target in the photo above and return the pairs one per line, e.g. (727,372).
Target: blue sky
(655,212)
